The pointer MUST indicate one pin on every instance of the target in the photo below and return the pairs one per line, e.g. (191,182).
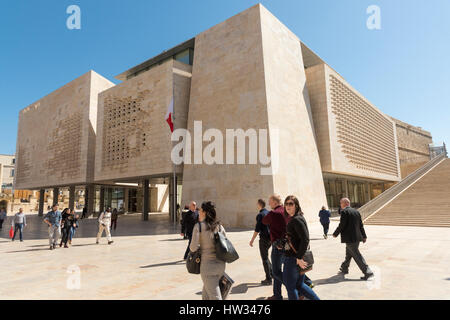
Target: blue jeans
(277,262)
(72,233)
(295,282)
(18,226)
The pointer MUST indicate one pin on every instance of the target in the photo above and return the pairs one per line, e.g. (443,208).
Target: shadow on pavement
(163,264)
(334,279)
(243,287)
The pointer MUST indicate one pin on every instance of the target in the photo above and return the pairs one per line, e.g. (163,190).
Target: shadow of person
(243,287)
(334,279)
(164,264)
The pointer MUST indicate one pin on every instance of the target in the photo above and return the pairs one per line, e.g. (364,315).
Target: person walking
(74,226)
(3,217)
(188,223)
(19,221)
(211,268)
(114,217)
(277,225)
(297,243)
(264,241)
(104,223)
(65,227)
(53,219)
(352,232)
(325,215)
(83,215)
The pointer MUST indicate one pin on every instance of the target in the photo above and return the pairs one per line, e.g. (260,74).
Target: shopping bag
(225,284)
(11,232)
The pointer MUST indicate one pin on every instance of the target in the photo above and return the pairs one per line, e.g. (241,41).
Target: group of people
(62,226)
(67,222)
(285,230)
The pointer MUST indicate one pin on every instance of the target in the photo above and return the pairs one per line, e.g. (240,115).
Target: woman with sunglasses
(298,237)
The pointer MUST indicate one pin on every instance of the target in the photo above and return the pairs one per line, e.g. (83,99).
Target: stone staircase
(426,202)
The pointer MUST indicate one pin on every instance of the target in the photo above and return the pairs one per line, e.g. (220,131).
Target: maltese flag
(169,115)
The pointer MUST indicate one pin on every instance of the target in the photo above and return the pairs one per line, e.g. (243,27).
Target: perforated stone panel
(366,136)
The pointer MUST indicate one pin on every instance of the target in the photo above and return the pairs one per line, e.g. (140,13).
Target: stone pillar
(41,202)
(72,197)
(345,188)
(89,198)
(102,199)
(55,195)
(172,198)
(367,192)
(126,193)
(146,204)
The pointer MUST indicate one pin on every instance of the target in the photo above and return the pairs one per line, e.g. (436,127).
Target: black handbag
(307,257)
(194,259)
(224,248)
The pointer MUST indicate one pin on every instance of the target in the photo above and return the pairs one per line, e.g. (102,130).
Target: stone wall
(354,137)
(133,138)
(55,135)
(413,146)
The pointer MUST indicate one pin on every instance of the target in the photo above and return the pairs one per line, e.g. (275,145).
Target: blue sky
(404,68)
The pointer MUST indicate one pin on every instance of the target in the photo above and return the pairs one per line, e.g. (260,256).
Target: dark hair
(210,215)
(64,211)
(261,203)
(298,209)
(115,210)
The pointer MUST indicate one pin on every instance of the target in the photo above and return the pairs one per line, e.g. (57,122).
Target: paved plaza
(145,262)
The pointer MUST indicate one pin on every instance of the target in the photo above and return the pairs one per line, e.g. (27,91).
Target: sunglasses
(289,204)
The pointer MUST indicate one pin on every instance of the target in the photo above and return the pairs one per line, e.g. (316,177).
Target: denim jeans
(295,282)
(277,262)
(18,226)
(72,233)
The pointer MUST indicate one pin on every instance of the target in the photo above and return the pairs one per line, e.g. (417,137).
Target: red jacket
(276,221)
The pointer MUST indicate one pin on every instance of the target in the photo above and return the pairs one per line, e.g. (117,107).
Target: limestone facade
(133,138)
(354,137)
(413,146)
(56,135)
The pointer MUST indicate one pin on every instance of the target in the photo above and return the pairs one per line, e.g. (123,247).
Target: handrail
(377,203)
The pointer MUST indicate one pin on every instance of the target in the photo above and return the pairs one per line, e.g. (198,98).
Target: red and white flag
(169,116)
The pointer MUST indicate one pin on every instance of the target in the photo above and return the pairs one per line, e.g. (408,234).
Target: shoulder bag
(194,259)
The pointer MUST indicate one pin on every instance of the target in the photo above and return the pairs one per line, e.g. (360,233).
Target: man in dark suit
(188,223)
(352,233)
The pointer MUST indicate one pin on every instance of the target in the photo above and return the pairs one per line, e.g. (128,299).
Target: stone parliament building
(111,142)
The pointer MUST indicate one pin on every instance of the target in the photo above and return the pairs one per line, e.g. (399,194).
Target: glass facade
(358,191)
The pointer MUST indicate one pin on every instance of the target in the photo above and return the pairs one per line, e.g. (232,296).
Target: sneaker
(96,242)
(70,242)
(274,298)
(66,246)
(60,244)
(51,247)
(367,276)
(21,240)
(109,242)
(267,282)
(324,236)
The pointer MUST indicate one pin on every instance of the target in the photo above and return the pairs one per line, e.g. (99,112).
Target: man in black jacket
(352,233)
(188,223)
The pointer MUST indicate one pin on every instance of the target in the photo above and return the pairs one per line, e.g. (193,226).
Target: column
(72,197)
(126,193)
(146,204)
(55,195)
(102,199)
(367,192)
(172,198)
(345,188)
(41,202)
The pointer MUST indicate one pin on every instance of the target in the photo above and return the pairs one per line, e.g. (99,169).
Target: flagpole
(174,179)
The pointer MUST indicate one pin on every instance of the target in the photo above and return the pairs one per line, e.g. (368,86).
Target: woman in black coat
(297,243)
